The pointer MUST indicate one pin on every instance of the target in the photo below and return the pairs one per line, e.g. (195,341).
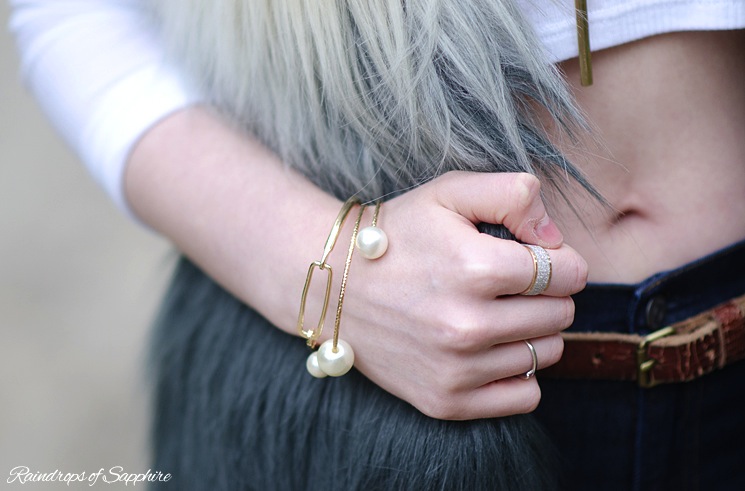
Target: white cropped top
(98,69)
(615,22)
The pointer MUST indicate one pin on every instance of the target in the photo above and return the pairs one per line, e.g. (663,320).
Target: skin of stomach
(667,150)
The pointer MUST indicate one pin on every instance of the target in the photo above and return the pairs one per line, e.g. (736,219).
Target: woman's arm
(435,321)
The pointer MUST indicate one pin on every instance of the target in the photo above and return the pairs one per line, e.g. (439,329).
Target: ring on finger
(530,373)
(541,270)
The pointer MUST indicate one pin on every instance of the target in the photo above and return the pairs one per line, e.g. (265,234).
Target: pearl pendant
(312,365)
(372,242)
(336,363)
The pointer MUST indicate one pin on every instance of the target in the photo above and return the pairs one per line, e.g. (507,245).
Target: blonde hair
(377,96)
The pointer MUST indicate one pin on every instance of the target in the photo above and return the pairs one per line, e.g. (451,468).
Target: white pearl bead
(312,365)
(372,242)
(336,363)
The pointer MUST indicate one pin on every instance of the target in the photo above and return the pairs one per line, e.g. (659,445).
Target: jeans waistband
(663,298)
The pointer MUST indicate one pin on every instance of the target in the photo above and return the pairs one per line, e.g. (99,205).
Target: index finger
(509,199)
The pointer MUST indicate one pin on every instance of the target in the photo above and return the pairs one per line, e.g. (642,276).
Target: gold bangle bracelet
(345,275)
(312,334)
(335,357)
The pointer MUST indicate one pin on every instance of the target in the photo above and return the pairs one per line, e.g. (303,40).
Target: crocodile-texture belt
(680,352)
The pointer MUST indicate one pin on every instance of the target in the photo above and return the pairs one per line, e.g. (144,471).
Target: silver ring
(532,371)
(541,270)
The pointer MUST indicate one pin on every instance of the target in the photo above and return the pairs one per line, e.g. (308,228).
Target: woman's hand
(438,321)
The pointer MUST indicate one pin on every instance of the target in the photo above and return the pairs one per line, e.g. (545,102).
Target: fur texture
(236,410)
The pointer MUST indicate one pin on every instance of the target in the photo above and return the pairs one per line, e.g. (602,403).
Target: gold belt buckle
(644,363)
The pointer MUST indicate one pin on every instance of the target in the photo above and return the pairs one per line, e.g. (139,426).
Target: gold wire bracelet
(335,357)
(376,213)
(345,275)
(312,334)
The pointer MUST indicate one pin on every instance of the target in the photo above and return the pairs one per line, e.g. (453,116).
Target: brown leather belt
(678,353)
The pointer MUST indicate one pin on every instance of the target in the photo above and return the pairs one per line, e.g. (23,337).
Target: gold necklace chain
(583,40)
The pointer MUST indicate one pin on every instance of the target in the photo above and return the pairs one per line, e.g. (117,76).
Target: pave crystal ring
(541,270)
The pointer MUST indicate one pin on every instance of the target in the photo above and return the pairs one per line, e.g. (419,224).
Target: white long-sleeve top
(99,72)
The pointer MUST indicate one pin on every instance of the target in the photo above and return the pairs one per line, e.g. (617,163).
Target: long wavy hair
(371,97)
(375,97)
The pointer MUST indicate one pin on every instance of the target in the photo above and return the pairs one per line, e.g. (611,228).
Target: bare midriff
(668,153)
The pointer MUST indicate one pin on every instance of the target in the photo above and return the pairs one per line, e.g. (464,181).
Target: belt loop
(644,363)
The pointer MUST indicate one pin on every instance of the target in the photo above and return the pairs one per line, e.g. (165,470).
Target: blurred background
(79,285)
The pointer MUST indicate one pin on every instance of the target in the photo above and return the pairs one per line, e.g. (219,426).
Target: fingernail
(547,232)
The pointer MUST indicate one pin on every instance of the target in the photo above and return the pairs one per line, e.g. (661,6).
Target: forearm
(417,315)
(230,205)
(436,321)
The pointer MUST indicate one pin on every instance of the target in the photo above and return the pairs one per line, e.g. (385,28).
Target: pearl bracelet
(312,334)
(335,357)
(372,242)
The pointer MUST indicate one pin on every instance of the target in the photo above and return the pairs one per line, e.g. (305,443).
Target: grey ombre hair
(377,96)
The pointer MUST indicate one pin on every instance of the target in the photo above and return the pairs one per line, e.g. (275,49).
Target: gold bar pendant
(583,40)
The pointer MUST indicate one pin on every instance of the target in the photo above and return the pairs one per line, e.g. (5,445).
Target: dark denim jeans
(615,435)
